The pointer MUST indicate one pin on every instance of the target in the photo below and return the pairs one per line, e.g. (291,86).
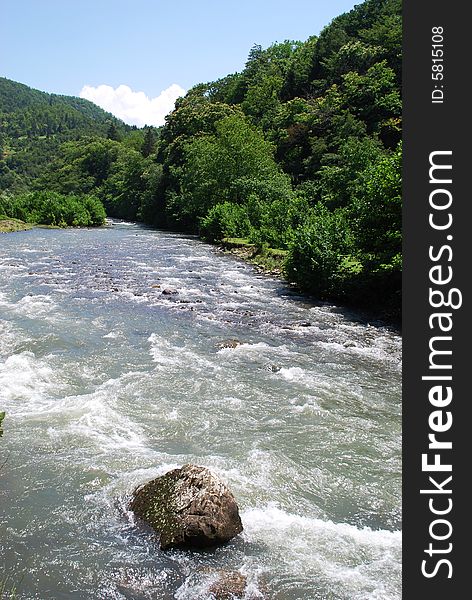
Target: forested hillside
(34,124)
(300,151)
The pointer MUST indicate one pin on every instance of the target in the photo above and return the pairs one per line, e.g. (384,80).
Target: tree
(149,142)
(317,251)
(216,168)
(376,213)
(113,133)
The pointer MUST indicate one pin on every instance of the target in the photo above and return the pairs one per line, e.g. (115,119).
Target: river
(108,382)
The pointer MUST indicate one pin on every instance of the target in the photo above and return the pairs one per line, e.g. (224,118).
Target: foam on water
(36,306)
(120,224)
(322,383)
(26,382)
(172,356)
(109,430)
(335,551)
(309,406)
(379,351)
(10,338)
(246,349)
(271,524)
(113,335)
(197,586)
(31,305)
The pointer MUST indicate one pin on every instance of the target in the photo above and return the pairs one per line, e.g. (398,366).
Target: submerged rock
(222,584)
(189,507)
(231,585)
(228,344)
(169,292)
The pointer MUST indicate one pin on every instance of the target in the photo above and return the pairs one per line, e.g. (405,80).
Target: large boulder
(189,507)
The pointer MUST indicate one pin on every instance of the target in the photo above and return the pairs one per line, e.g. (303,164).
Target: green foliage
(376,212)
(2,417)
(316,254)
(113,132)
(149,142)
(9,584)
(225,220)
(51,208)
(194,115)
(354,253)
(113,172)
(373,97)
(336,183)
(274,223)
(218,168)
(33,126)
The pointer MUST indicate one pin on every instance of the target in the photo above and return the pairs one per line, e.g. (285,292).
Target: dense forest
(300,152)
(34,124)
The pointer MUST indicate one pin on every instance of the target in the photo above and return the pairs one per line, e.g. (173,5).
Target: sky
(135,57)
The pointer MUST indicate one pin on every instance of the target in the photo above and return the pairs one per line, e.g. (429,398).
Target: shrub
(317,252)
(224,220)
(51,208)
(275,223)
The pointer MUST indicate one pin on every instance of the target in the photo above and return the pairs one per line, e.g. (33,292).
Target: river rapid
(107,383)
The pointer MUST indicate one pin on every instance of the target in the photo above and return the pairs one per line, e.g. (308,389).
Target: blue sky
(147,45)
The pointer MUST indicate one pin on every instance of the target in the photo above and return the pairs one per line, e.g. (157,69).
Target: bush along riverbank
(50,208)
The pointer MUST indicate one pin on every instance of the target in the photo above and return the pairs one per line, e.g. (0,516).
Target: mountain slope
(33,124)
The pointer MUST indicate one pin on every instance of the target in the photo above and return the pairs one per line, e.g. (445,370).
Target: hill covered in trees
(34,124)
(300,151)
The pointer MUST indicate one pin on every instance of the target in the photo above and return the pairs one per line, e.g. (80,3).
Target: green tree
(51,208)
(217,166)
(113,133)
(149,142)
(317,252)
(376,213)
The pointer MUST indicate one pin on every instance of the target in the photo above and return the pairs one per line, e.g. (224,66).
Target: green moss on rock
(188,507)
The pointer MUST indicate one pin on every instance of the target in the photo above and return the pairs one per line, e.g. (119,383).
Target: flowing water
(107,383)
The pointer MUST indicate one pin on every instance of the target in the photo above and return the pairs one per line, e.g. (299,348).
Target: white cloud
(134,108)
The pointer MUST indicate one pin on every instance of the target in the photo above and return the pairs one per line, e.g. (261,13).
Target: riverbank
(271,262)
(8,225)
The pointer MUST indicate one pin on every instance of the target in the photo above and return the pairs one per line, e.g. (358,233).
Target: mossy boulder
(189,507)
